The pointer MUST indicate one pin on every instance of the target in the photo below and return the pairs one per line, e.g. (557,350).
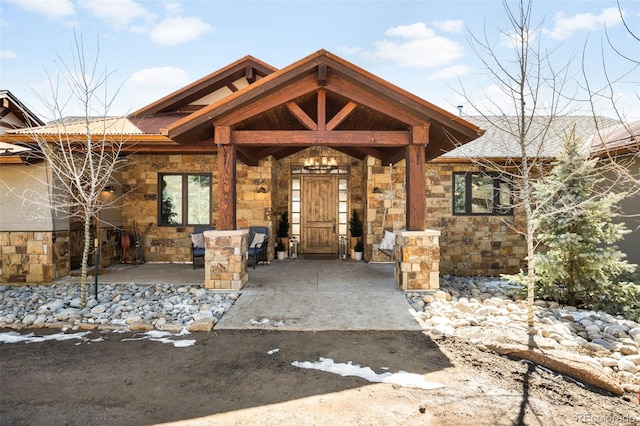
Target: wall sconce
(109,188)
(261,190)
(377,190)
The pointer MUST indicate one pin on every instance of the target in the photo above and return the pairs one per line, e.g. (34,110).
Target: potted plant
(282,232)
(355,229)
(358,250)
(280,249)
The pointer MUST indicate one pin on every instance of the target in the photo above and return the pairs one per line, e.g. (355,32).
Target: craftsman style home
(317,140)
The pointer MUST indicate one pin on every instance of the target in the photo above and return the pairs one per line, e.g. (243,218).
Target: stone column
(225,259)
(417,256)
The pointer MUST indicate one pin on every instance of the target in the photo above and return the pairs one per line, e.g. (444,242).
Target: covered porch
(382,137)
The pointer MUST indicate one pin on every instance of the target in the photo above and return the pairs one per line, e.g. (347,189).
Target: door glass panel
(295,195)
(295,184)
(342,229)
(295,217)
(295,229)
(295,206)
(342,185)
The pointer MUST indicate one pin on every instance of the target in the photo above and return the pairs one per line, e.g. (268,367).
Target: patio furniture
(387,243)
(197,243)
(258,244)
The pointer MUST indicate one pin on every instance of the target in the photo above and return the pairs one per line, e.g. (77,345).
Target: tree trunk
(85,259)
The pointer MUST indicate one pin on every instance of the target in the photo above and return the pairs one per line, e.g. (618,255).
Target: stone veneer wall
(392,201)
(173,244)
(33,257)
(471,245)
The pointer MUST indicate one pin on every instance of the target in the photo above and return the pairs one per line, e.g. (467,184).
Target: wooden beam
(323,71)
(222,135)
(302,116)
(420,135)
(358,138)
(322,109)
(250,74)
(226,187)
(341,115)
(371,99)
(241,112)
(416,210)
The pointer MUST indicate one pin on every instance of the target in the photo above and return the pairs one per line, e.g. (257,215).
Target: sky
(153,47)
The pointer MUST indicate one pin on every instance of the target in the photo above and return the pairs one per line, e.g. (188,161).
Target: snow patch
(401,378)
(13,337)
(273,351)
(165,337)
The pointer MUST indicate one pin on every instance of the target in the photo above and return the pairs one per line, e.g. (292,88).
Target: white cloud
(450,25)
(419,46)
(175,30)
(450,72)
(150,84)
(515,40)
(118,13)
(564,27)
(52,9)
(8,54)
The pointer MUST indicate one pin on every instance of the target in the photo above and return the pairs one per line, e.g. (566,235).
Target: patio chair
(258,244)
(197,243)
(387,243)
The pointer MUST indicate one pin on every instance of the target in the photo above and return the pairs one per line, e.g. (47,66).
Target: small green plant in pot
(282,233)
(280,249)
(358,250)
(356,231)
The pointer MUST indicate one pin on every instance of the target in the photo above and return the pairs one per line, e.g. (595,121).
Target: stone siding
(33,257)
(385,209)
(471,245)
(173,244)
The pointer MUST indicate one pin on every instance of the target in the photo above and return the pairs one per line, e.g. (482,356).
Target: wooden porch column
(226,179)
(416,210)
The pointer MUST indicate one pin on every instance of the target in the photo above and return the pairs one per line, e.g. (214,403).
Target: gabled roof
(10,105)
(319,100)
(373,104)
(182,100)
(545,136)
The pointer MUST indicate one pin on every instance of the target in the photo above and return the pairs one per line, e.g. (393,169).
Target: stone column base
(225,259)
(417,256)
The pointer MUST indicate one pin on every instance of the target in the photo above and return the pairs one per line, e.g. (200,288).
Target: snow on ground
(401,378)
(156,336)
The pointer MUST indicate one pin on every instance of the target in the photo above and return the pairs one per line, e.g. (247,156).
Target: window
(185,199)
(481,194)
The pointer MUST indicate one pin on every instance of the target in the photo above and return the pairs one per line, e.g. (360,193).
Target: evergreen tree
(575,221)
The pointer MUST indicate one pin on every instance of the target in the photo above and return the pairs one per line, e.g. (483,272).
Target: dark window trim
(185,200)
(497,179)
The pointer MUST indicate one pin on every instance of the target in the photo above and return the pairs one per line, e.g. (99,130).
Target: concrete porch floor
(295,294)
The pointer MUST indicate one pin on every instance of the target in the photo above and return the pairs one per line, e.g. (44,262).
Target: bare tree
(79,153)
(530,101)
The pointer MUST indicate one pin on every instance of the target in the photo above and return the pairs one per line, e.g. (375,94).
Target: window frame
(185,198)
(497,180)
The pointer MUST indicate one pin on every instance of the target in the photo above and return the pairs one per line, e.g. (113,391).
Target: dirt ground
(229,377)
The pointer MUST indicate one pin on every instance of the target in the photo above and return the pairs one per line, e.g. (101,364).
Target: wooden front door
(319,214)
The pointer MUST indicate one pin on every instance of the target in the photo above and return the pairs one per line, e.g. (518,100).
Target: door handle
(334,225)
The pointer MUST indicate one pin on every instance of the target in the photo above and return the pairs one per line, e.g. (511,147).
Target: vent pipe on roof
(460,110)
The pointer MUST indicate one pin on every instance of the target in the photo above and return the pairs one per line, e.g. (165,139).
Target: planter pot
(280,255)
(285,240)
(352,245)
(358,255)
